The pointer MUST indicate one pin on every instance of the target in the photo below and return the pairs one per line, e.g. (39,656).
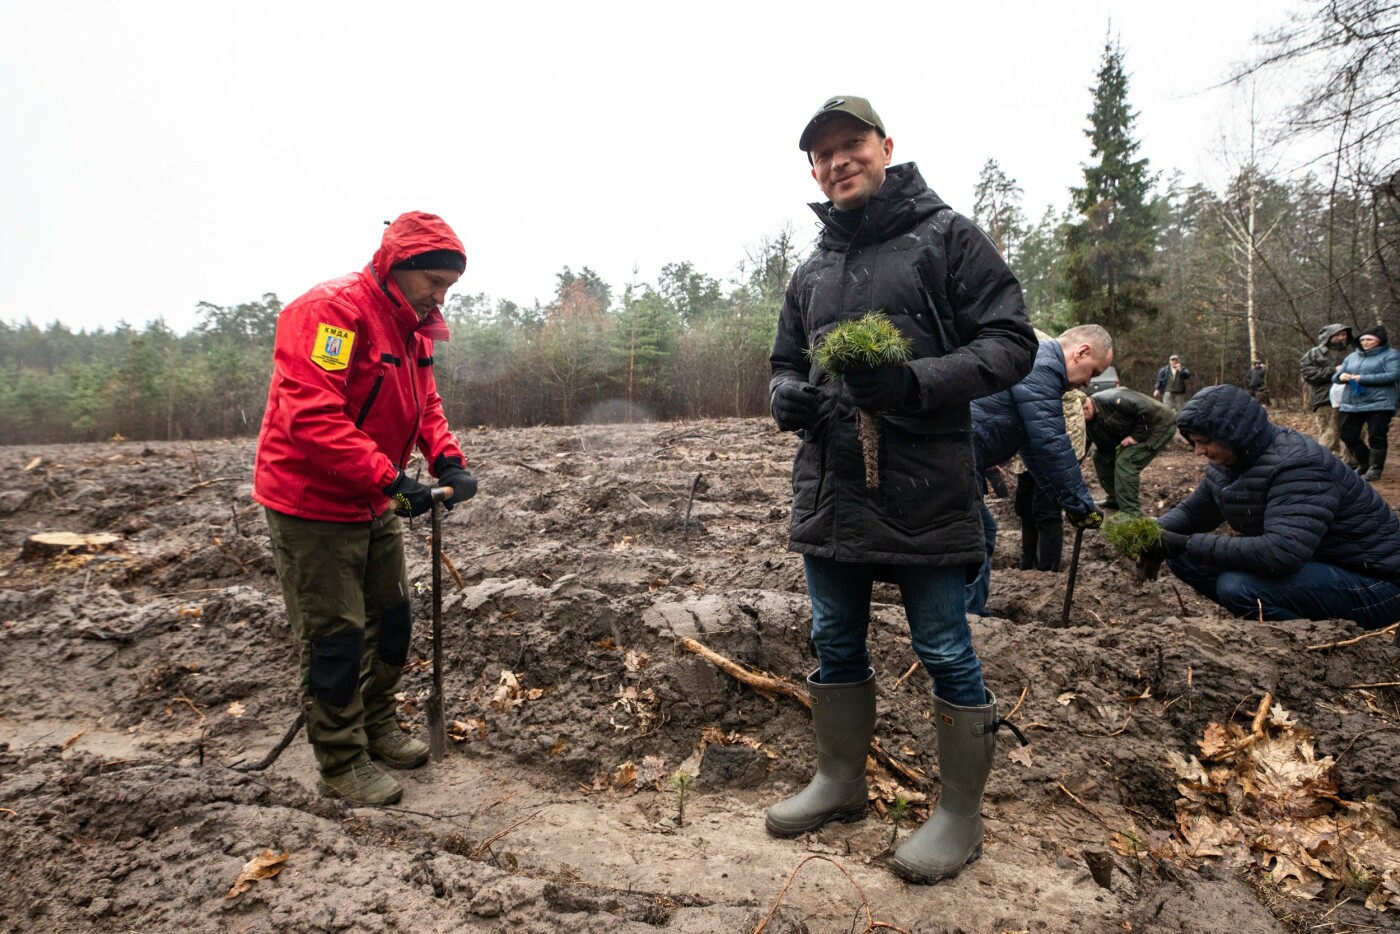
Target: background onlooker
(1372,378)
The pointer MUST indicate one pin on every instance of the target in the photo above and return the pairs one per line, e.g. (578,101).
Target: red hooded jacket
(352,387)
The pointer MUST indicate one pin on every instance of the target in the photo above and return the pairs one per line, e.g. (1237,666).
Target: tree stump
(53,544)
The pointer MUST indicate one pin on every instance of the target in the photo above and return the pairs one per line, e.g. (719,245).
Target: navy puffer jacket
(1029,418)
(1289,500)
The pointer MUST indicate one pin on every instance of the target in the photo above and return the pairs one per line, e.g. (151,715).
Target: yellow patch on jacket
(331,349)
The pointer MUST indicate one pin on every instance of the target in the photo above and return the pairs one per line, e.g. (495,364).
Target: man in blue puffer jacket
(1029,419)
(1312,540)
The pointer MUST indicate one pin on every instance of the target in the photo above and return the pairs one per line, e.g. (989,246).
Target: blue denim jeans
(1315,591)
(933,603)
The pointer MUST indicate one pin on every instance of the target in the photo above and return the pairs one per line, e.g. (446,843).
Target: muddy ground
(131,681)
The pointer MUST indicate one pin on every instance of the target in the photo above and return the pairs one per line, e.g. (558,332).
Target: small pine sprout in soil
(1130,536)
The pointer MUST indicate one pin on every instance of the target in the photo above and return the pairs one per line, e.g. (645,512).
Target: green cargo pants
(1120,471)
(346,589)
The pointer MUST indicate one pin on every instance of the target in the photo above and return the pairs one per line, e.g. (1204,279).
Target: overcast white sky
(157,154)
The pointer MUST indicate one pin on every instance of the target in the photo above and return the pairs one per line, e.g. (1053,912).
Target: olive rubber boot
(952,836)
(843,718)
(398,750)
(362,785)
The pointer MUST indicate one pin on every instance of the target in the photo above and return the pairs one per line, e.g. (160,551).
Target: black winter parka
(1289,500)
(944,285)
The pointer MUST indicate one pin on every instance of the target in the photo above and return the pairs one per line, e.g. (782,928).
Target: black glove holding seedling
(795,405)
(1086,520)
(450,471)
(880,388)
(1169,544)
(410,497)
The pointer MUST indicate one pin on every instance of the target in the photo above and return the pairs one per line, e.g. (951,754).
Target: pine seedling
(1131,536)
(899,810)
(870,341)
(682,782)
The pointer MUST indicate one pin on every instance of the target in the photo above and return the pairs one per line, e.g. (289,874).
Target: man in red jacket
(352,395)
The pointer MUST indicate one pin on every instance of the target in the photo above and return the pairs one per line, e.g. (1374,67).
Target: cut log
(53,544)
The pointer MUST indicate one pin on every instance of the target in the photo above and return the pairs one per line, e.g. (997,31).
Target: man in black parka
(890,244)
(1310,539)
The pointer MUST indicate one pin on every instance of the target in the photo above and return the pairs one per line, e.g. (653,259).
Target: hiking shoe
(398,750)
(1106,503)
(361,785)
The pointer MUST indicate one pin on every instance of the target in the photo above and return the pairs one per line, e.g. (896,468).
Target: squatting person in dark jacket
(1311,539)
(1029,419)
(890,244)
(1127,430)
(352,395)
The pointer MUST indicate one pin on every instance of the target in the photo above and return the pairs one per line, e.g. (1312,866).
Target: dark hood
(1229,415)
(1330,331)
(902,202)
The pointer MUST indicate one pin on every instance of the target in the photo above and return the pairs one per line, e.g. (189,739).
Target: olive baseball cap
(857,107)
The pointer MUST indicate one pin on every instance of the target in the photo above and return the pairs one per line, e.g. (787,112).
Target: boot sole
(924,877)
(787,832)
(401,764)
(326,791)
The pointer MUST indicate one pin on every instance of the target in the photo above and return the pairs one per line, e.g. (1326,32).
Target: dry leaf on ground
(263,866)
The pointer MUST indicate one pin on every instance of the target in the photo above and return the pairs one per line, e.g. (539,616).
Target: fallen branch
(904,677)
(207,483)
(1019,701)
(476,853)
(769,685)
(108,635)
(271,757)
(1377,684)
(1361,638)
(764,684)
(907,772)
(199,713)
(870,923)
(447,563)
(1256,731)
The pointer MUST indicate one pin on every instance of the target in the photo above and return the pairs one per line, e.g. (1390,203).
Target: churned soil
(602,777)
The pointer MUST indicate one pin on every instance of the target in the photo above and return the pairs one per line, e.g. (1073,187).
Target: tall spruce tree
(1109,250)
(996,208)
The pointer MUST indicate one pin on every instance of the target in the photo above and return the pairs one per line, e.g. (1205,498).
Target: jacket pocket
(808,473)
(369,400)
(926,477)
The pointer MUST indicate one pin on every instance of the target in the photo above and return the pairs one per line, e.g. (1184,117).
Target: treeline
(690,346)
(685,346)
(1170,266)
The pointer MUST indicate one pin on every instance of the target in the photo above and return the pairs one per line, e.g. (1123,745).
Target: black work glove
(878,389)
(410,497)
(451,472)
(795,405)
(1169,545)
(1086,520)
(1173,544)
